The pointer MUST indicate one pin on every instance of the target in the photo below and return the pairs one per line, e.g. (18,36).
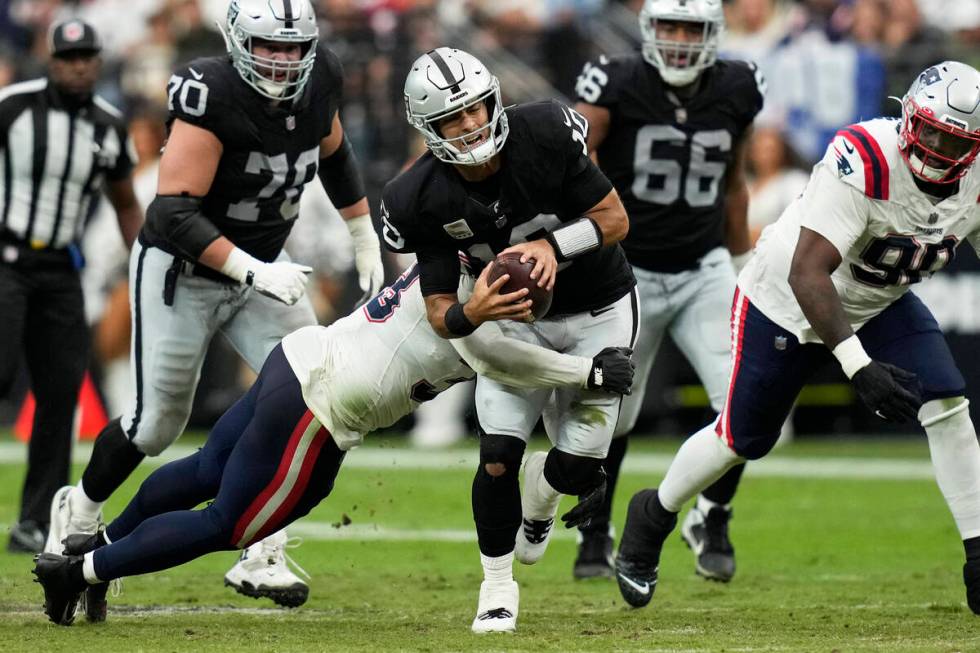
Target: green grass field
(842,546)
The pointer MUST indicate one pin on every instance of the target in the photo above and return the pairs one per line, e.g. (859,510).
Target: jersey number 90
(901,260)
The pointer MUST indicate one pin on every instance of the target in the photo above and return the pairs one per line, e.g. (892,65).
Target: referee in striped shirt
(60,146)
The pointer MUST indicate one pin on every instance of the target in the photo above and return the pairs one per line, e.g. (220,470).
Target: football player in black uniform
(669,126)
(471,198)
(247,132)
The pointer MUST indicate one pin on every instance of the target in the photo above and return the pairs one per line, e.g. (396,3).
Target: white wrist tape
(575,239)
(240,265)
(362,232)
(851,354)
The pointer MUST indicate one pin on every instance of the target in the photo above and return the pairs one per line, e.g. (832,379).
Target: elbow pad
(341,177)
(176,222)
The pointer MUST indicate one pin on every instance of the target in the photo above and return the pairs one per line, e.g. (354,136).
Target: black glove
(588,505)
(612,371)
(880,387)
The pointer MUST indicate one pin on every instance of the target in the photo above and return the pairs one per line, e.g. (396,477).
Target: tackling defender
(543,197)
(669,127)
(886,206)
(275,454)
(247,131)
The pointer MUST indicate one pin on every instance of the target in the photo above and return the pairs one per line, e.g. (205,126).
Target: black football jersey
(669,161)
(546,179)
(269,153)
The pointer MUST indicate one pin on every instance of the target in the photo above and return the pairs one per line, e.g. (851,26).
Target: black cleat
(707,537)
(643,538)
(27,536)
(595,559)
(62,585)
(971,577)
(93,601)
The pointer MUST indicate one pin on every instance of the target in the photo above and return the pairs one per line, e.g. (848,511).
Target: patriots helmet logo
(843,165)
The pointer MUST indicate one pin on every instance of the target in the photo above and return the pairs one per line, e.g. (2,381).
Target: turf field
(843,545)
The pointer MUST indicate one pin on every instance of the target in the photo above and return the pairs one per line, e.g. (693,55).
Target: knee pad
(501,449)
(571,474)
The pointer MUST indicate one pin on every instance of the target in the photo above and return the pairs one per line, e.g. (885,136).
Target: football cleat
(595,557)
(61,592)
(26,537)
(638,560)
(539,512)
(971,577)
(707,537)
(65,523)
(93,600)
(497,609)
(263,571)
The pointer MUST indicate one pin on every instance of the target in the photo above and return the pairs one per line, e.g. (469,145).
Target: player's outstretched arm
(341,178)
(879,385)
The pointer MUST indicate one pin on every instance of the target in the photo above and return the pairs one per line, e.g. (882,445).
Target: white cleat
(65,523)
(497,610)
(262,571)
(539,508)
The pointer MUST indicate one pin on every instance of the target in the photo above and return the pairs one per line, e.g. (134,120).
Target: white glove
(367,256)
(281,280)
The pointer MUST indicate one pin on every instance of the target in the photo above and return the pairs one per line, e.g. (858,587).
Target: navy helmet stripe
(444,69)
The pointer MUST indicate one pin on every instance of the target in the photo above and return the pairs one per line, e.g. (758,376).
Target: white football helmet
(940,135)
(680,62)
(444,81)
(283,21)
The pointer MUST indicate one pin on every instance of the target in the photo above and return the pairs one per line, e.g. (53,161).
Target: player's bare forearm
(737,236)
(355,210)
(814,261)
(610,215)
(486,304)
(216,254)
(435,310)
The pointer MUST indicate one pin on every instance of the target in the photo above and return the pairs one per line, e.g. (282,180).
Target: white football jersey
(371,368)
(863,199)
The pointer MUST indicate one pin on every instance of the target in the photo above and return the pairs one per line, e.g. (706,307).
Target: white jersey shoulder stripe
(20,88)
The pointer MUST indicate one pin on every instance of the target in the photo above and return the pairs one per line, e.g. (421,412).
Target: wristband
(574,239)
(239,266)
(850,352)
(457,323)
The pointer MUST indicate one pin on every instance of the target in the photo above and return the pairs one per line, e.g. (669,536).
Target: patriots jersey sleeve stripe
(875,165)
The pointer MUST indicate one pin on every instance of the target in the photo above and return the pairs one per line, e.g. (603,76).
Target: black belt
(180,266)
(26,255)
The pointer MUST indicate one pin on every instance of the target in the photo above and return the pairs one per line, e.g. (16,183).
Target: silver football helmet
(940,135)
(282,21)
(444,81)
(680,62)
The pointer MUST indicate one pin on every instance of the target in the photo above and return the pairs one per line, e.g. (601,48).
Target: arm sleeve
(519,364)
(438,271)
(835,210)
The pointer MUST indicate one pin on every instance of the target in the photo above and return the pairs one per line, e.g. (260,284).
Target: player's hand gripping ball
(520,277)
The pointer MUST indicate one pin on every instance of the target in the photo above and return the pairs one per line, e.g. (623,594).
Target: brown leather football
(520,277)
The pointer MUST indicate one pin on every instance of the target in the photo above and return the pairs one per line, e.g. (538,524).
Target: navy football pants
(770,367)
(266,463)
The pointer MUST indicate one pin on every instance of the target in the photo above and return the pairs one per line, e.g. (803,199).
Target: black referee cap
(73,35)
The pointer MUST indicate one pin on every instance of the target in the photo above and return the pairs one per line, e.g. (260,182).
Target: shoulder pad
(197,90)
(601,79)
(398,201)
(743,85)
(858,154)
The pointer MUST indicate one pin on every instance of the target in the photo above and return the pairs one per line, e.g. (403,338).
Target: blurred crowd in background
(827,63)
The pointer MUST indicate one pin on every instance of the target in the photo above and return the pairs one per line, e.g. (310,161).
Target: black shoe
(93,601)
(60,576)
(595,559)
(971,577)
(643,538)
(27,536)
(707,537)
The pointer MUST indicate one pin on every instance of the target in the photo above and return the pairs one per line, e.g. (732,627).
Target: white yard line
(635,463)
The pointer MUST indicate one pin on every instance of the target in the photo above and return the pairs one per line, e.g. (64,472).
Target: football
(520,277)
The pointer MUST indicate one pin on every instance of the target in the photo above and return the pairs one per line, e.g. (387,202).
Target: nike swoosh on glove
(612,371)
(882,387)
